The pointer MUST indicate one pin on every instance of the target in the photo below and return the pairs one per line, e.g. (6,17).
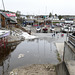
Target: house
(3,19)
(7,20)
(28,21)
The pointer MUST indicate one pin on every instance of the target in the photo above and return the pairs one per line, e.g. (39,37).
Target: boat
(45,29)
(38,29)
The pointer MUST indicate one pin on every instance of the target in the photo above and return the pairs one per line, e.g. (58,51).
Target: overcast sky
(35,7)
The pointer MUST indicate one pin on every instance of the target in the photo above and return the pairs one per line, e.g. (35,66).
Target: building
(7,19)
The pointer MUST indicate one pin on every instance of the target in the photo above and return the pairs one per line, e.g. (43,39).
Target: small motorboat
(45,29)
(38,29)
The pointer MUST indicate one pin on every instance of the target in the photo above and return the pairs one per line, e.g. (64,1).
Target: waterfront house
(6,20)
(3,19)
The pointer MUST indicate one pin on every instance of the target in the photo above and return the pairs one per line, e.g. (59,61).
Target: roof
(29,20)
(39,20)
(12,19)
(2,13)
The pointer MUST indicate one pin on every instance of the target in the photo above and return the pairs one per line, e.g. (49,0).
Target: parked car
(45,29)
(52,28)
(35,25)
(67,29)
(59,24)
(38,29)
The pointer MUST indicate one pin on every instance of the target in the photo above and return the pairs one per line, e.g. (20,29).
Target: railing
(71,39)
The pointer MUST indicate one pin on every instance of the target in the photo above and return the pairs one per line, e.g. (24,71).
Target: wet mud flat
(39,69)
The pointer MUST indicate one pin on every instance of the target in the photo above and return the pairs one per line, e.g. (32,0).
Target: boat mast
(3,4)
(45,14)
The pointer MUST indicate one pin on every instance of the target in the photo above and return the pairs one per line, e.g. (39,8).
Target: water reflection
(5,55)
(37,51)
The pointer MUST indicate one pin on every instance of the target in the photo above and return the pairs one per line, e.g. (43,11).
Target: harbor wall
(61,69)
(69,52)
(69,55)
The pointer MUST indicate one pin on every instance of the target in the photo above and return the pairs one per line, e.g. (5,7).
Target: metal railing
(71,39)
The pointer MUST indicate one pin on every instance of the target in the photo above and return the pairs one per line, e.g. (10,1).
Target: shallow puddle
(37,51)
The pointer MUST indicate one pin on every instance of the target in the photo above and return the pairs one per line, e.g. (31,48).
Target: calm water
(37,51)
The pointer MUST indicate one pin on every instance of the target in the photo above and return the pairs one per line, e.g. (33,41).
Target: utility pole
(3,4)
(45,14)
(52,19)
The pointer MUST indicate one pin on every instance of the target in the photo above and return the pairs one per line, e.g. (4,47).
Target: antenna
(3,4)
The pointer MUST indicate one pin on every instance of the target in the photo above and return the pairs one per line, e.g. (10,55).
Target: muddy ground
(40,69)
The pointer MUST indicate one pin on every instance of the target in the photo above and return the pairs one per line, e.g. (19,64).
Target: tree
(50,14)
(60,17)
(19,19)
(56,15)
(27,16)
(18,13)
